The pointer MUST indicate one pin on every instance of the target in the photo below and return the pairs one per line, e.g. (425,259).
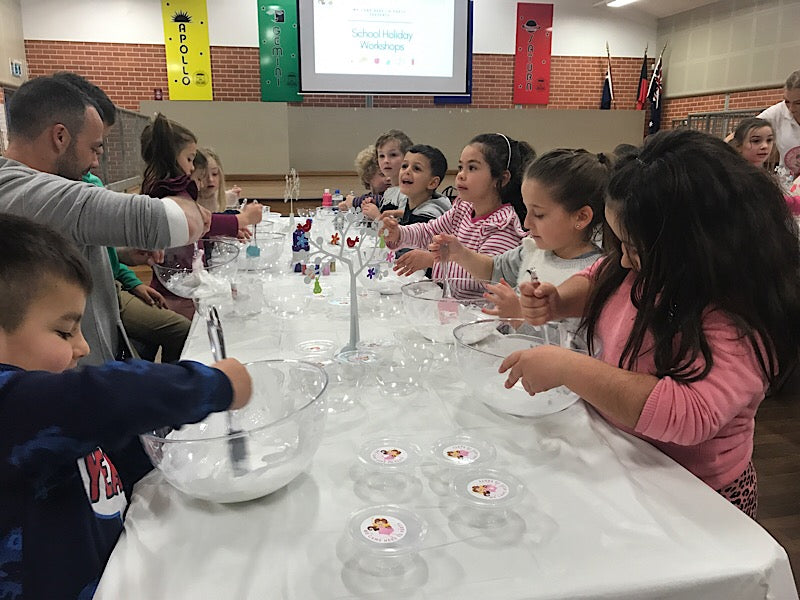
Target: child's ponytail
(574,179)
(162,141)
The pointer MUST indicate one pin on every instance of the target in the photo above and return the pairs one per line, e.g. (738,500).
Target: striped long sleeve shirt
(491,234)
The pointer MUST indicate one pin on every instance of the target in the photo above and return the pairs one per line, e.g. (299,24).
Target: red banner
(532,53)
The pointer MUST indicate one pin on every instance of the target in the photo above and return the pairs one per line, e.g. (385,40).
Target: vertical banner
(534,28)
(277,49)
(187,48)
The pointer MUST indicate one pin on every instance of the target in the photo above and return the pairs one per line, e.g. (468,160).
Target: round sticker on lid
(389,455)
(461,454)
(315,346)
(383,530)
(492,489)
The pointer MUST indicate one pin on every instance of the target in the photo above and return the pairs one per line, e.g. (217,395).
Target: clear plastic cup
(346,372)
(385,537)
(487,496)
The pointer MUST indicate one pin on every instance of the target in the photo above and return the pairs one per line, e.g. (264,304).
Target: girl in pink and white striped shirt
(486,216)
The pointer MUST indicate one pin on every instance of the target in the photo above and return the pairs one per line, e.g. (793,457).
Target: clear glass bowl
(347,372)
(262,253)
(434,316)
(399,372)
(219,268)
(381,277)
(483,345)
(285,300)
(282,427)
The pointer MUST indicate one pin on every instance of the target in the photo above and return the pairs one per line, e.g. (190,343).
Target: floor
(777,459)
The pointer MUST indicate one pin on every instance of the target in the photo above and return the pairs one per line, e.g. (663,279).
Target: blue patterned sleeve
(49,419)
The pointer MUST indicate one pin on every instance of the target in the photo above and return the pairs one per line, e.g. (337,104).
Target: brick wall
(127,72)
(679,108)
(130,72)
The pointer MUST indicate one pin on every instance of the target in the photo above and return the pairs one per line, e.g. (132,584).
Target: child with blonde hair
(390,149)
(210,178)
(375,182)
(169,150)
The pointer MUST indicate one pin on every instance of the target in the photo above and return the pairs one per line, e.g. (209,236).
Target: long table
(602,515)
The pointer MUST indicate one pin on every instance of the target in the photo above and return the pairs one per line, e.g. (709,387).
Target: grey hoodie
(433,208)
(93,218)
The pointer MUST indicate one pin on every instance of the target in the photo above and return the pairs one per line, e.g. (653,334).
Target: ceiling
(665,8)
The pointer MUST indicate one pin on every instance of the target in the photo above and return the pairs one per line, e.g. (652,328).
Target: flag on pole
(608,88)
(641,99)
(654,95)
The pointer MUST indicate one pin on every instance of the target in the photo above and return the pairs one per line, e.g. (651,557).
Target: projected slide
(412,38)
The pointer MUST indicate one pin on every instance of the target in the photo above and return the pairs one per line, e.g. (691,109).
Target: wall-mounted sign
(277,49)
(187,48)
(16,67)
(534,28)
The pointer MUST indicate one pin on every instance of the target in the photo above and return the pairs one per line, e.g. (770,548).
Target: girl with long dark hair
(694,315)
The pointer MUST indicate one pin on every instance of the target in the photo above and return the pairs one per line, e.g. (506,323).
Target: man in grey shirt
(56,135)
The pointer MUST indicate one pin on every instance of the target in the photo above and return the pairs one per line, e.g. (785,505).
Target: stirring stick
(444,254)
(535,279)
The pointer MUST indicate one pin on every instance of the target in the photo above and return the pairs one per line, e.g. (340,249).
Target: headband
(508,143)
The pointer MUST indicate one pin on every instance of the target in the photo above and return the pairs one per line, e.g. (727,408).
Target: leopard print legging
(743,493)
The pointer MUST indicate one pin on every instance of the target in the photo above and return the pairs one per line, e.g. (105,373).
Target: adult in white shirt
(785,120)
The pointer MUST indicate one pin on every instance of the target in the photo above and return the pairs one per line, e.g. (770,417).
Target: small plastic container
(385,538)
(386,469)
(327,198)
(462,452)
(487,496)
(456,454)
(389,455)
(317,348)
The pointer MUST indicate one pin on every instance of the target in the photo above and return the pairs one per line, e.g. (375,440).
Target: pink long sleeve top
(491,234)
(706,426)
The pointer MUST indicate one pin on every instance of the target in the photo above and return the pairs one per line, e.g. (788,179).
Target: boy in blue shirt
(69,451)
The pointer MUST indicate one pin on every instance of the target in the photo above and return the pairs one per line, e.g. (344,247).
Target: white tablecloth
(604,515)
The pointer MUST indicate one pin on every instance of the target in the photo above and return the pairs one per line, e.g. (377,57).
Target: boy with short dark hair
(62,499)
(422,171)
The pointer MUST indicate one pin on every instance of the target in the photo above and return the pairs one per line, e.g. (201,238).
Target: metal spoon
(237,444)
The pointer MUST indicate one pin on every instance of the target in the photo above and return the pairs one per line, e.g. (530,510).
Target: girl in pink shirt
(486,216)
(693,316)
